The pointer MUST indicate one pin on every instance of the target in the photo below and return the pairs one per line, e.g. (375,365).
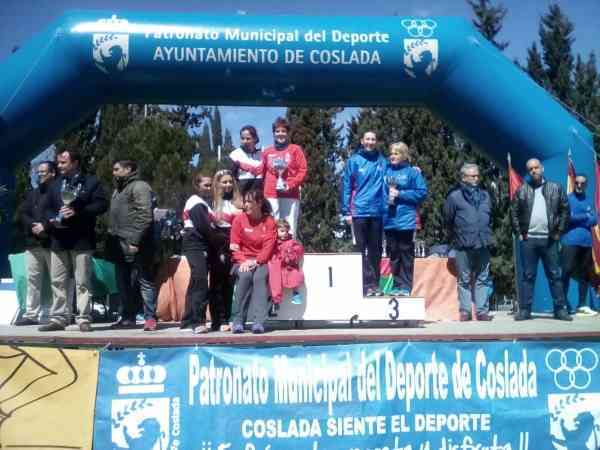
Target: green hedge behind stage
(103,281)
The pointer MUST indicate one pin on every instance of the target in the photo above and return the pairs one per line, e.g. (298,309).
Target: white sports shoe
(586,311)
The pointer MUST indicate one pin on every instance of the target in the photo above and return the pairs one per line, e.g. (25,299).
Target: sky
(22,19)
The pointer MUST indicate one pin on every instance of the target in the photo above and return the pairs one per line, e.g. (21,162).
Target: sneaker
(225,327)
(237,328)
(258,328)
(150,325)
(523,314)
(123,323)
(85,327)
(51,326)
(395,292)
(25,321)
(586,311)
(562,314)
(484,317)
(371,292)
(200,329)
(296,298)
(464,317)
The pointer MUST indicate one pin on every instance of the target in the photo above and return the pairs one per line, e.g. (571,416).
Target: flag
(514,179)
(596,228)
(570,175)
(514,183)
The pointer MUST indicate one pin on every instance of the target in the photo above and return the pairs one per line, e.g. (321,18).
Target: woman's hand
(393,194)
(248,266)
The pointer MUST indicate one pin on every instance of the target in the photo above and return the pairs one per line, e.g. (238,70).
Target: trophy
(280,165)
(68,194)
(391,182)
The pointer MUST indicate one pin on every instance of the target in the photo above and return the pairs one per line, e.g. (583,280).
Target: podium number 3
(394,314)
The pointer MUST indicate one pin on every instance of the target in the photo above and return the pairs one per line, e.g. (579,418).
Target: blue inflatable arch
(86,59)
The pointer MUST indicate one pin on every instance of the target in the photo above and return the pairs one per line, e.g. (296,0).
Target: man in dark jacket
(576,249)
(467,213)
(37,242)
(539,216)
(72,239)
(131,244)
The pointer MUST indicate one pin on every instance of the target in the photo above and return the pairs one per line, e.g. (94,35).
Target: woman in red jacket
(253,237)
(283,167)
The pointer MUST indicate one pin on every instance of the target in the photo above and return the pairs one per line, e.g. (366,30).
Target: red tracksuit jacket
(284,268)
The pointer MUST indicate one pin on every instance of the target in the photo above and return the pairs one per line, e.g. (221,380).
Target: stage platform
(503,327)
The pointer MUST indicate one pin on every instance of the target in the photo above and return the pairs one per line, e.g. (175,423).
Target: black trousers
(400,245)
(368,233)
(221,284)
(577,263)
(196,298)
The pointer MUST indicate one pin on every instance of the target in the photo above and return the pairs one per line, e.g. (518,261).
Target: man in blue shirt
(577,244)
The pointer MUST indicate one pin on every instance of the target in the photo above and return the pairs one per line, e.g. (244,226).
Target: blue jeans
(546,250)
(473,266)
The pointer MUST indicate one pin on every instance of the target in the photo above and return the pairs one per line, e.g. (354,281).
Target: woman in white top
(227,203)
(247,156)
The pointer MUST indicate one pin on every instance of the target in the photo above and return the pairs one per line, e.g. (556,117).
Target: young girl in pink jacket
(284,266)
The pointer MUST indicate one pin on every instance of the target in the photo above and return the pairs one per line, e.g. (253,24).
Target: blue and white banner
(397,396)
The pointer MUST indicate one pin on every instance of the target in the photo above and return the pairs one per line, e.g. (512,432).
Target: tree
(315,131)
(488,20)
(163,152)
(586,86)
(216,129)
(208,159)
(535,66)
(556,38)
(227,142)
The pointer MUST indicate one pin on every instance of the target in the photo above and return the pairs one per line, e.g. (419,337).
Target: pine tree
(489,20)
(556,38)
(163,153)
(535,66)
(315,131)
(227,142)
(586,86)
(216,129)
(208,159)
(83,139)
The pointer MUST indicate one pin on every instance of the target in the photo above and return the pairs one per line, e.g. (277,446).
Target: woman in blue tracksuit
(363,207)
(404,190)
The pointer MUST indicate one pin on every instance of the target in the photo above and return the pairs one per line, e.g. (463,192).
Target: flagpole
(515,307)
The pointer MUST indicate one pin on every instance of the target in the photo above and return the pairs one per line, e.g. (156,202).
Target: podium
(333,293)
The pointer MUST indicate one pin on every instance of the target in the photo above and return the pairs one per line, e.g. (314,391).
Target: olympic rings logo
(572,368)
(419,28)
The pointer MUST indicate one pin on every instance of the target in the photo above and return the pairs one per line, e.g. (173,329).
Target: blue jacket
(581,220)
(362,185)
(402,215)
(468,215)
